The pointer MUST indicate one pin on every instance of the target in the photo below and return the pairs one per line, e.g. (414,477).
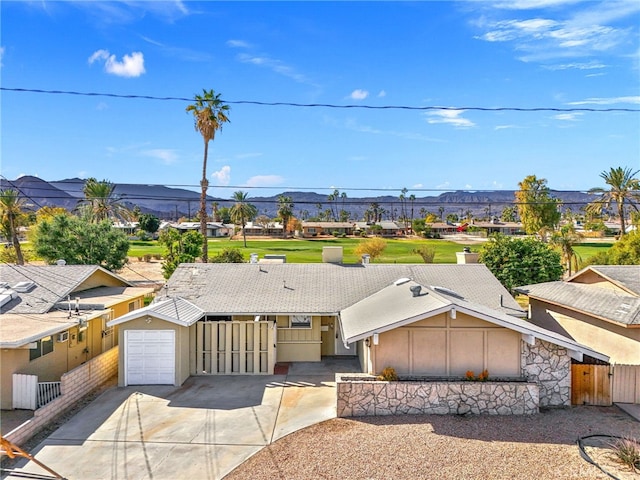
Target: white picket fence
(29,394)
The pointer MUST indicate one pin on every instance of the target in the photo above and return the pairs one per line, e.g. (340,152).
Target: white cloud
(504,127)
(167,156)
(102,106)
(382,94)
(359,94)
(130,66)
(1,56)
(238,44)
(222,176)
(443,186)
(417,185)
(451,117)
(353,125)
(242,156)
(531,4)
(276,66)
(577,66)
(607,101)
(568,117)
(264,181)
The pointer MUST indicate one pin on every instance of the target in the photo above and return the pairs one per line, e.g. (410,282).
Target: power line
(325,105)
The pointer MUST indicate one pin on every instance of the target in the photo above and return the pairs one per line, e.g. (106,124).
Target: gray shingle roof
(593,300)
(396,305)
(322,288)
(53,283)
(175,310)
(626,276)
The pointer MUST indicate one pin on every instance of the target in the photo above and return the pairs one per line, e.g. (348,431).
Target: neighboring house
(313,229)
(599,306)
(273,229)
(496,226)
(128,228)
(214,229)
(386,228)
(53,318)
(421,319)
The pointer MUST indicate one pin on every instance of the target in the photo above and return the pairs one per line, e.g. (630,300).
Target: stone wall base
(371,398)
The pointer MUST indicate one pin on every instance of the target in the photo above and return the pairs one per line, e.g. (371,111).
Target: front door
(328,336)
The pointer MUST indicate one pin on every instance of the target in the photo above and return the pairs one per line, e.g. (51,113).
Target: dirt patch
(440,446)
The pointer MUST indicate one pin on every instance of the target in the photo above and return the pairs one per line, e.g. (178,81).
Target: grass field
(310,251)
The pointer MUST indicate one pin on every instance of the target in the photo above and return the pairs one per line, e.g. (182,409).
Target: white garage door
(150,357)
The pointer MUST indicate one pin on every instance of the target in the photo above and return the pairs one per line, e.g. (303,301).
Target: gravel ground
(444,447)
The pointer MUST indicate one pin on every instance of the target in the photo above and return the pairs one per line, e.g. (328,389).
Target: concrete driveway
(201,430)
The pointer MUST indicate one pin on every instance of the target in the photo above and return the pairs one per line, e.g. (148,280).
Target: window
(300,321)
(43,347)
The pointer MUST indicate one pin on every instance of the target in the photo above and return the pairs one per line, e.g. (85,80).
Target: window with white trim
(43,347)
(300,321)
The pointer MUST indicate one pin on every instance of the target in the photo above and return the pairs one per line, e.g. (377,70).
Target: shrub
(388,375)
(471,377)
(627,450)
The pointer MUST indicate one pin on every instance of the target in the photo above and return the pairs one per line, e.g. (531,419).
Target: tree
(149,223)
(372,246)
(11,212)
(179,248)
(78,242)
(209,114)
(508,214)
(520,261)
(564,240)
(228,255)
(426,252)
(100,202)
(624,188)
(285,212)
(625,251)
(536,208)
(241,212)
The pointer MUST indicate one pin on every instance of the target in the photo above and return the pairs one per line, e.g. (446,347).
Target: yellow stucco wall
(621,344)
(442,346)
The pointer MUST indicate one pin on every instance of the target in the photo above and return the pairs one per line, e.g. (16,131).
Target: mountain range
(172,203)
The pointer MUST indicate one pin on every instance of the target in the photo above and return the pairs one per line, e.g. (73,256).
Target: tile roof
(588,298)
(322,288)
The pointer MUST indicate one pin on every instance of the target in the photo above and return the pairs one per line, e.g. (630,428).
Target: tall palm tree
(285,211)
(564,240)
(11,207)
(100,202)
(209,114)
(241,211)
(624,188)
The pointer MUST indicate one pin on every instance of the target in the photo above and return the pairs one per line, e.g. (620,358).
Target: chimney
(366,258)
(332,254)
(466,256)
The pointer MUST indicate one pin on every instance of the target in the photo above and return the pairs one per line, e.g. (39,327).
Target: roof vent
(24,287)
(446,291)
(415,290)
(61,262)
(401,281)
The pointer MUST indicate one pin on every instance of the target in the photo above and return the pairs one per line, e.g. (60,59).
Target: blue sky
(560,54)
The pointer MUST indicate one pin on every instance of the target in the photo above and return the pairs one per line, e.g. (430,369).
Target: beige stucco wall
(442,346)
(182,348)
(592,278)
(621,344)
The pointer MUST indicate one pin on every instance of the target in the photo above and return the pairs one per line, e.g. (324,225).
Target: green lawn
(310,251)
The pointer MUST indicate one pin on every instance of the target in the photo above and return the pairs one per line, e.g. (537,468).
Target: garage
(150,357)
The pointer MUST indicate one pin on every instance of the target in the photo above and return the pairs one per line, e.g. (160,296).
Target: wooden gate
(590,385)
(626,383)
(231,348)
(25,391)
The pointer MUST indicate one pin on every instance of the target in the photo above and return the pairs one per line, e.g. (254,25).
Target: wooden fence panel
(626,383)
(590,385)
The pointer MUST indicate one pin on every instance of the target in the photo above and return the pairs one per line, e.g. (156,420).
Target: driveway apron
(203,429)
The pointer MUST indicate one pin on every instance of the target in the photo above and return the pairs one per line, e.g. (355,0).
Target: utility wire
(325,105)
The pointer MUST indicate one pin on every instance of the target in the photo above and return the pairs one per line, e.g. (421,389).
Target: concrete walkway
(201,430)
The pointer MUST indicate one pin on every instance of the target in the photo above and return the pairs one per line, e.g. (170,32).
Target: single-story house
(273,229)
(53,318)
(313,229)
(214,229)
(421,319)
(598,306)
(385,228)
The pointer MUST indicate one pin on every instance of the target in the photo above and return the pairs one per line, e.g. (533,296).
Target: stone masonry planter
(365,396)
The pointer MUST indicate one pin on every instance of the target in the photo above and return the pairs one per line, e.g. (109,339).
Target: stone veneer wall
(74,384)
(549,366)
(366,397)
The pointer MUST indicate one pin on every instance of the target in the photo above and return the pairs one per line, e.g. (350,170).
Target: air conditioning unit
(63,337)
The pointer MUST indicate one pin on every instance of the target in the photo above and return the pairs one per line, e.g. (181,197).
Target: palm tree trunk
(16,241)
(621,215)
(204,184)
